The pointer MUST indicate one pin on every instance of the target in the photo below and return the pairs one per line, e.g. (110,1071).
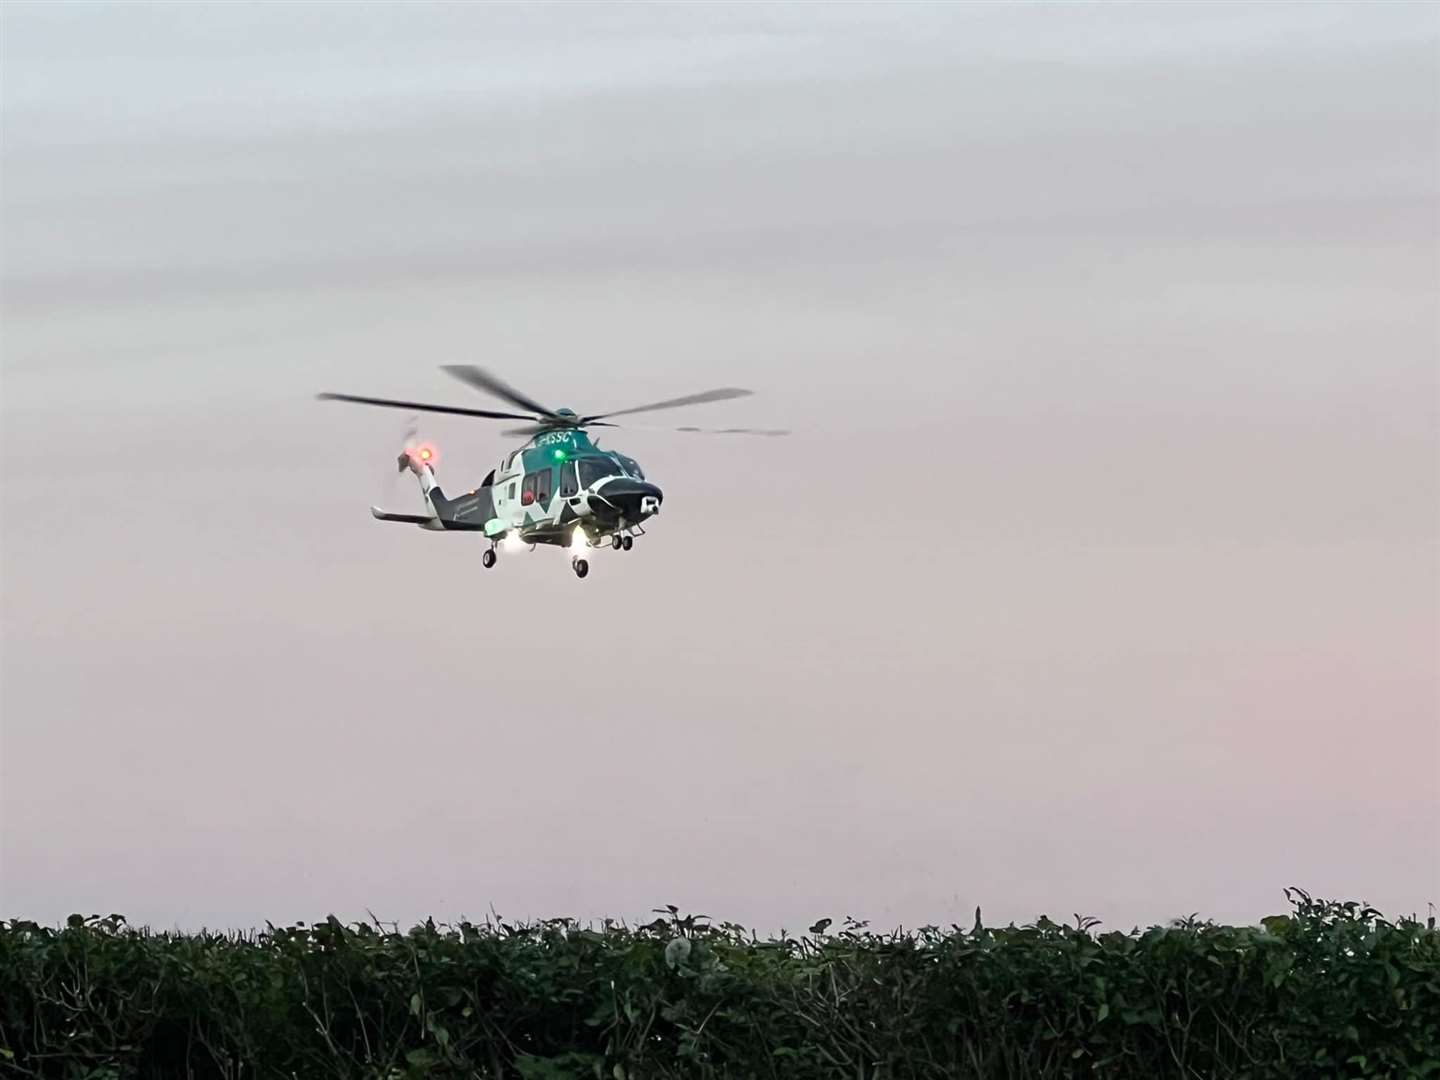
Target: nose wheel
(619,542)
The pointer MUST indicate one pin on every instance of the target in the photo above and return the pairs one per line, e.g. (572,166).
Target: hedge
(1332,989)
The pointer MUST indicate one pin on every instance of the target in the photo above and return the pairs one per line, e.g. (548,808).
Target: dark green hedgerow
(1330,990)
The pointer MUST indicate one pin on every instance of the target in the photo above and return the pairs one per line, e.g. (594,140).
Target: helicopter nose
(634,499)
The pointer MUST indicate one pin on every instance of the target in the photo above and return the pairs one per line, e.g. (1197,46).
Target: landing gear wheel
(627,542)
(616,541)
(487,558)
(581,567)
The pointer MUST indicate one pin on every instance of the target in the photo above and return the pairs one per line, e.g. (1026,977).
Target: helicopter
(559,488)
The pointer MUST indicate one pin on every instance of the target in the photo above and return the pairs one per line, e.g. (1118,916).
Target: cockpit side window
(595,468)
(568,484)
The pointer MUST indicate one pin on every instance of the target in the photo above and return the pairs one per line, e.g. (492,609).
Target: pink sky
(1099,576)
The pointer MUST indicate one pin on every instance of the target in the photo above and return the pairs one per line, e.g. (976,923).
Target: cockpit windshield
(597,468)
(632,467)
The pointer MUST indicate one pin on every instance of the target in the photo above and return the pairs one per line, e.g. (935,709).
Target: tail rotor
(423,455)
(414,451)
(407,440)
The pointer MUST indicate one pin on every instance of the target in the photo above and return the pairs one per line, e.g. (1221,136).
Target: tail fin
(471,512)
(435,500)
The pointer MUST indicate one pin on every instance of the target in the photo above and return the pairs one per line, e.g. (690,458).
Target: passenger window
(568,484)
(512,492)
(543,486)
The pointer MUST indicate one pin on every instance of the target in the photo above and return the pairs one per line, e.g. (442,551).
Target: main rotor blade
(529,431)
(769,432)
(454,410)
(482,380)
(725,393)
(736,431)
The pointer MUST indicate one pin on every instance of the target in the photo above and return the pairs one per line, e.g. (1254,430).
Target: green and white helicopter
(559,488)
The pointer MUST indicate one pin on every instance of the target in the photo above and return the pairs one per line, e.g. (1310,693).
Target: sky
(1099,574)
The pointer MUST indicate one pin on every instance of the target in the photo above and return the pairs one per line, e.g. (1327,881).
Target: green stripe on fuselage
(555,448)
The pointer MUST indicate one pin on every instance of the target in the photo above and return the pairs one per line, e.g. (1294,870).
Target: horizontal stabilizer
(408,519)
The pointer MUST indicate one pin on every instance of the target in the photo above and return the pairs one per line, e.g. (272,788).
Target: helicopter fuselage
(558,482)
